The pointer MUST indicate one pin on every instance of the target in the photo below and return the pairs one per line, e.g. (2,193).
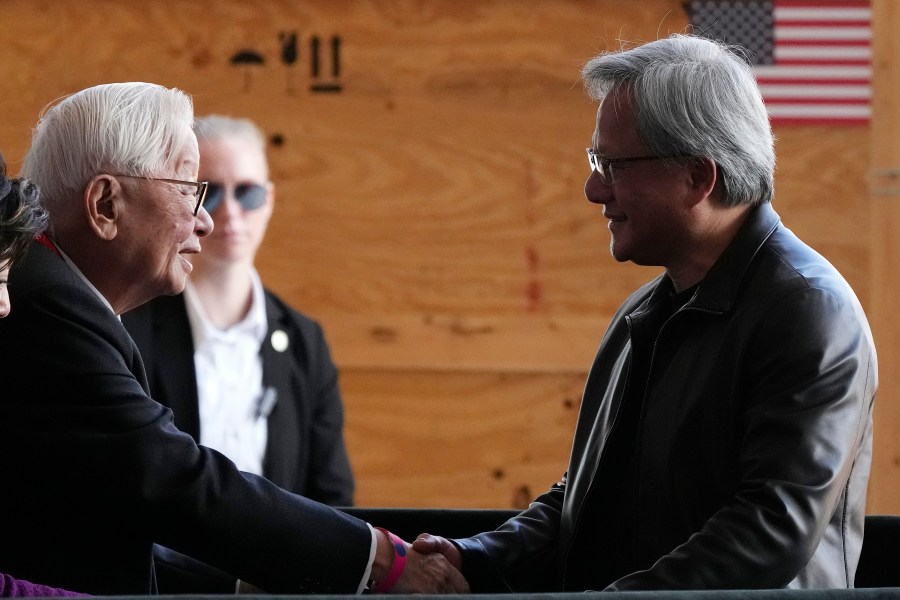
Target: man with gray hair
(725,432)
(95,471)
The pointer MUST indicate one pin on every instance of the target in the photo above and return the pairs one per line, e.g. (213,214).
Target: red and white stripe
(823,55)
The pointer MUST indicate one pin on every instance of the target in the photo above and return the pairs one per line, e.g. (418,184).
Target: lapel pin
(279,340)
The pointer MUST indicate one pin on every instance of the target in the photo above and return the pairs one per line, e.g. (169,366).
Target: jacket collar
(718,290)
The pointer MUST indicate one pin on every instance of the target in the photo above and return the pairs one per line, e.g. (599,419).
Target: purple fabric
(11,587)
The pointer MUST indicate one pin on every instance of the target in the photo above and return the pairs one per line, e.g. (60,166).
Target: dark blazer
(305,452)
(95,470)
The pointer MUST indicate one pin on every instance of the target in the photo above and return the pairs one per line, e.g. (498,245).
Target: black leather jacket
(749,447)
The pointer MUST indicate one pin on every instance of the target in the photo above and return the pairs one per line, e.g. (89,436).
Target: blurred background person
(244,372)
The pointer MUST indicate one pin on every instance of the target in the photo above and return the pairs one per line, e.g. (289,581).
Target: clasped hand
(432,567)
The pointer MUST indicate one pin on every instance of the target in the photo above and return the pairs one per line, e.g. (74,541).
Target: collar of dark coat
(719,289)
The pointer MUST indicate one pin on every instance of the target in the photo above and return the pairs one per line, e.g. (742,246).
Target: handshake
(430,565)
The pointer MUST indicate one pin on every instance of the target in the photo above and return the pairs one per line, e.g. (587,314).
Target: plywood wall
(884,283)
(429,163)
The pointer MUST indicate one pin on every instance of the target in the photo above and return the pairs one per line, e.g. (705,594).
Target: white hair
(131,128)
(212,128)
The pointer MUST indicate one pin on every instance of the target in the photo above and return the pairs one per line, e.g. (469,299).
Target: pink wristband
(384,586)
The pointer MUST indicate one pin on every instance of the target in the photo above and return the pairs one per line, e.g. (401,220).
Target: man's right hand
(430,573)
(433,544)
(425,572)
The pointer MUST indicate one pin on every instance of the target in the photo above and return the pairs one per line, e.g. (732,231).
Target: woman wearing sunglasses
(243,372)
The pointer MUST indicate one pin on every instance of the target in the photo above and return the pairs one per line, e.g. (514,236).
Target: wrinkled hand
(433,544)
(431,572)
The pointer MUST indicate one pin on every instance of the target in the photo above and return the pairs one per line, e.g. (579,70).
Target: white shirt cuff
(368,572)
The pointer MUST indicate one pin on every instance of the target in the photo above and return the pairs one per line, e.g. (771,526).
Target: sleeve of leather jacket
(520,555)
(807,388)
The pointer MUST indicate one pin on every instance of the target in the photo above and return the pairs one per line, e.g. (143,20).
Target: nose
(230,203)
(203,223)
(595,190)
(4,302)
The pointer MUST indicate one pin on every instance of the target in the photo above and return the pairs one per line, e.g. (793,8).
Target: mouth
(183,255)
(230,234)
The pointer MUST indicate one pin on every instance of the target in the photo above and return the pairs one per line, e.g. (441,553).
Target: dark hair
(21,216)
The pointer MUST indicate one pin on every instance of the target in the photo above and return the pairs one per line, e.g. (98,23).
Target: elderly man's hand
(430,573)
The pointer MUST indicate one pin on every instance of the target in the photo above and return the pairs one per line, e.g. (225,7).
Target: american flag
(812,58)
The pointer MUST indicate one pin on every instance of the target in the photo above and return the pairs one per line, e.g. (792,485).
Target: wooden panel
(429,439)
(529,344)
(820,183)
(885,250)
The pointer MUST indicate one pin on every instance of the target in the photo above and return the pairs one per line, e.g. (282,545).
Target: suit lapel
(285,424)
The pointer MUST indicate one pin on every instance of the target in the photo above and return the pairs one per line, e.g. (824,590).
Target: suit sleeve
(111,456)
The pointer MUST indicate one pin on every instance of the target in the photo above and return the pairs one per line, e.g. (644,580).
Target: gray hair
(696,97)
(129,128)
(212,128)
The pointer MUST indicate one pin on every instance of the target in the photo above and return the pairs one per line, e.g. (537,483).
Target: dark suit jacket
(95,470)
(305,452)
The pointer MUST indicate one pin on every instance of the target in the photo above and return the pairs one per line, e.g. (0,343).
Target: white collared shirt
(229,386)
(229,380)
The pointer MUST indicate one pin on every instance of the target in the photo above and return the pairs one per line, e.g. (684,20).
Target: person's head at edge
(240,198)
(696,102)
(98,157)
(22,218)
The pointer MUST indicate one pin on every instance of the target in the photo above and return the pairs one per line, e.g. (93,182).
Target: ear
(102,205)
(703,177)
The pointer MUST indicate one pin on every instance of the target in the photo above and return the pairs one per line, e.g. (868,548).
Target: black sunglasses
(249,195)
